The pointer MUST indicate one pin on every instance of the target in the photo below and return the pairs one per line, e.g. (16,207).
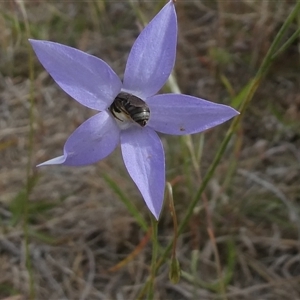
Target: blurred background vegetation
(64,230)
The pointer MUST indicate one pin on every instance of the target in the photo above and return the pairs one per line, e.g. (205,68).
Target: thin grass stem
(29,174)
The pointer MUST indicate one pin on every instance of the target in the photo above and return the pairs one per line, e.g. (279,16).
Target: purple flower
(130,112)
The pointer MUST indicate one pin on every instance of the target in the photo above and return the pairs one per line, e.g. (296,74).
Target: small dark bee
(133,107)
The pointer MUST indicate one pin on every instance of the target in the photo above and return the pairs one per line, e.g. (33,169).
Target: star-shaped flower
(130,111)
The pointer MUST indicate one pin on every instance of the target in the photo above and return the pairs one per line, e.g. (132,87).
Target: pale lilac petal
(152,56)
(143,156)
(182,114)
(54,161)
(86,78)
(92,141)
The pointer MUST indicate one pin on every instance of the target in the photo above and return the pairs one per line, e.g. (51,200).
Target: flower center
(129,107)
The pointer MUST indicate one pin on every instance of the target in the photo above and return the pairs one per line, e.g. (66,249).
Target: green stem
(154,223)
(287,44)
(270,54)
(30,151)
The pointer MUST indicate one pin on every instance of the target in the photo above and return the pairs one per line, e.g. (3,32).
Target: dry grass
(79,229)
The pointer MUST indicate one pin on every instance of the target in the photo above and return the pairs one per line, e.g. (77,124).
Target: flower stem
(154,224)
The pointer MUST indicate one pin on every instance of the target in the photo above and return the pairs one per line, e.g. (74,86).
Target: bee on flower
(130,112)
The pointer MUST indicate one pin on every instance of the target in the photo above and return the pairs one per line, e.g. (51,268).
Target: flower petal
(152,56)
(92,141)
(54,161)
(182,114)
(144,159)
(86,78)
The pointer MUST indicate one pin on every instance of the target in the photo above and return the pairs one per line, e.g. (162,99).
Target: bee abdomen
(138,114)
